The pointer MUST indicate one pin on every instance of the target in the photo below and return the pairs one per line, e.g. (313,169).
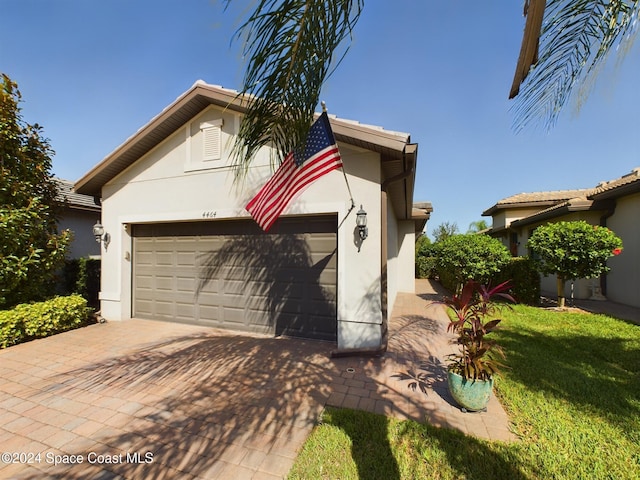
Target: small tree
(444,230)
(470,257)
(477,226)
(31,250)
(573,250)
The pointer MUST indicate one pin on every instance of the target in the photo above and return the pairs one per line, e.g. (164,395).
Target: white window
(211,139)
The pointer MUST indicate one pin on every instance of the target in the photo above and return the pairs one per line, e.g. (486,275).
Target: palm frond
(577,37)
(291,47)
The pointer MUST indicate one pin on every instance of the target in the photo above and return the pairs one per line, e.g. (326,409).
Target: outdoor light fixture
(361,222)
(100,235)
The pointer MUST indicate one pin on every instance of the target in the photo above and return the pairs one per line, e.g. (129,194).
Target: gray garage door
(230,274)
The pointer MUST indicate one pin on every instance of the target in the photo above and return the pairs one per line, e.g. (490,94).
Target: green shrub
(35,320)
(425,263)
(88,284)
(448,280)
(68,277)
(82,276)
(469,257)
(425,267)
(524,277)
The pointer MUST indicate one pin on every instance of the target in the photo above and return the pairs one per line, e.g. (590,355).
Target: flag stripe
(301,183)
(286,172)
(319,157)
(275,201)
(289,182)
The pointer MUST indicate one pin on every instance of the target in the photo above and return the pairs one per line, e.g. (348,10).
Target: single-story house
(614,204)
(79,213)
(182,247)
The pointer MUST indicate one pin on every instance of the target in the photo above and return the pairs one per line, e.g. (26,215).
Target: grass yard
(572,391)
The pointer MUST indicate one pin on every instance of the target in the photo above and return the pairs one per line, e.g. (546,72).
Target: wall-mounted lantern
(100,235)
(361,222)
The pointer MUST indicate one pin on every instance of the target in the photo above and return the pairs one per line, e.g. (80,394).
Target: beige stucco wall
(503,218)
(392,258)
(406,256)
(623,281)
(171,184)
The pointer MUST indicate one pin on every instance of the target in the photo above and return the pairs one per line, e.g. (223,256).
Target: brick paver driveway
(191,401)
(142,399)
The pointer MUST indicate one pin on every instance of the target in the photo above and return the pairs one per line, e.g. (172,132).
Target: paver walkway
(418,342)
(142,399)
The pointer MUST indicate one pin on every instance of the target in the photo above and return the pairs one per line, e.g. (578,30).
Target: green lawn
(572,391)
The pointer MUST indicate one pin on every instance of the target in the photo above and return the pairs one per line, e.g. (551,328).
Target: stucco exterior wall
(623,281)
(172,183)
(406,256)
(392,257)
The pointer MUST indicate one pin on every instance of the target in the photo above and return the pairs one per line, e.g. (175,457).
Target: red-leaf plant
(474,310)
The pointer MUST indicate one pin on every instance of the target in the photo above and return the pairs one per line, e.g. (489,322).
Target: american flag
(299,169)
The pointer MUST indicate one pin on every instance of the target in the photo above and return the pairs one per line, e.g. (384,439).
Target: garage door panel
(234,287)
(257,318)
(230,274)
(210,313)
(186,284)
(164,283)
(237,315)
(186,259)
(207,298)
(185,311)
(205,287)
(163,308)
(145,281)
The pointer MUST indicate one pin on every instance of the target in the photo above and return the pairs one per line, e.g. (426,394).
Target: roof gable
(397,153)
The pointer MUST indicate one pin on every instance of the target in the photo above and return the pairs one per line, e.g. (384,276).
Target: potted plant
(470,371)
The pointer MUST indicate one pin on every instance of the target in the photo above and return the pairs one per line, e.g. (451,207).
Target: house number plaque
(208,214)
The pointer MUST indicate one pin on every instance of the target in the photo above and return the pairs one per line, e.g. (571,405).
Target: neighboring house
(79,214)
(614,204)
(183,248)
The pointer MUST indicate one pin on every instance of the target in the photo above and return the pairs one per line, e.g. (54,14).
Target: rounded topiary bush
(470,256)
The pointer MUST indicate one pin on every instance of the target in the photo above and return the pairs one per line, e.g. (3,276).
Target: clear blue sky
(93,72)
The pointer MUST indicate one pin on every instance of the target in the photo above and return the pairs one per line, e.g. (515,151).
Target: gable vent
(211,139)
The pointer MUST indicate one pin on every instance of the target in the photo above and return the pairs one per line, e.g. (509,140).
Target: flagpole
(353,204)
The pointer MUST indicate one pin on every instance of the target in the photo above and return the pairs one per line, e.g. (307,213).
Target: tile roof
(572,205)
(623,182)
(551,196)
(578,199)
(67,195)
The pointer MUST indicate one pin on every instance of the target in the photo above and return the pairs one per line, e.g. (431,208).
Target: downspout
(603,223)
(406,173)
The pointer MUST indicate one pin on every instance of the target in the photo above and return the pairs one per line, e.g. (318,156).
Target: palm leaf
(577,37)
(291,47)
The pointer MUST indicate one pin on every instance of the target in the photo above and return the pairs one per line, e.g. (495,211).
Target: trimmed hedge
(82,275)
(35,320)
(524,277)
(469,256)
(522,272)
(425,267)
